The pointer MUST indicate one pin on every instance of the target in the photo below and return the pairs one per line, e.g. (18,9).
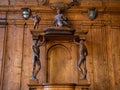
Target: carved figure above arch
(59,4)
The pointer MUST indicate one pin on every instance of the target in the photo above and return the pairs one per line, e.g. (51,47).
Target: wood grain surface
(102,41)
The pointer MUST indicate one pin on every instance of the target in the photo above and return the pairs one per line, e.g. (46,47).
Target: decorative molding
(69,4)
(63,6)
(78,22)
(59,5)
(80,8)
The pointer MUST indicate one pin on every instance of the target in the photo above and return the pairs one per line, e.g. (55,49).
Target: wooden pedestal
(83,85)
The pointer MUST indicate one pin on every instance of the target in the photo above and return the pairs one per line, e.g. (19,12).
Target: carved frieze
(59,4)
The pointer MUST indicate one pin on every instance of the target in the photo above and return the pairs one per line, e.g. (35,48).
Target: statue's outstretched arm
(76,42)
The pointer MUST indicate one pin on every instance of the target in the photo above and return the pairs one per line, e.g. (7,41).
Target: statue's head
(81,41)
(58,11)
(35,15)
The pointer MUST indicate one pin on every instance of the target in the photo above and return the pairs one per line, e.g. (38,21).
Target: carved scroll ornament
(59,4)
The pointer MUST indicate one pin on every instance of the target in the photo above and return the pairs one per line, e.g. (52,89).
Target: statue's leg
(66,24)
(33,69)
(79,66)
(37,24)
(85,70)
(39,67)
(34,26)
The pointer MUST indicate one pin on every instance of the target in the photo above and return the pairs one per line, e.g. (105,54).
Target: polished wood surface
(64,86)
(102,41)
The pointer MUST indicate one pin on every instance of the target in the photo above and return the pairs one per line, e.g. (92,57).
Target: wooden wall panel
(103,61)
(5,2)
(27,58)
(89,62)
(12,73)
(99,59)
(95,57)
(2,33)
(19,2)
(104,58)
(26,2)
(110,60)
(116,56)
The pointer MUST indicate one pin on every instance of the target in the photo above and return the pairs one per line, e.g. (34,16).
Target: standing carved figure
(60,20)
(36,20)
(36,61)
(82,58)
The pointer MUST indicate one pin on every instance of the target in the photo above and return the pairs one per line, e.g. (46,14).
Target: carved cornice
(108,6)
(78,24)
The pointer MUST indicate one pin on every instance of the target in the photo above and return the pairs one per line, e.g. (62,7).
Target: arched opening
(59,64)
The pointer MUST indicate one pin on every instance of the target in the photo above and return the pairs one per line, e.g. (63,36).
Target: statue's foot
(84,78)
(33,78)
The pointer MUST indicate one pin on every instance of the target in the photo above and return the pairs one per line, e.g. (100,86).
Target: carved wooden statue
(60,20)
(82,58)
(36,61)
(36,20)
